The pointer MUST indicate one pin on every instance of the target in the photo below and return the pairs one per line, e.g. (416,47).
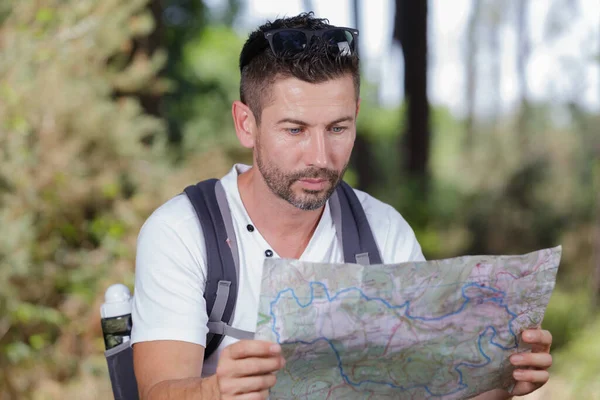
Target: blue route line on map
(461,384)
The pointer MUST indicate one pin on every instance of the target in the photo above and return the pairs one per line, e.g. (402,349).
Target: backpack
(210,203)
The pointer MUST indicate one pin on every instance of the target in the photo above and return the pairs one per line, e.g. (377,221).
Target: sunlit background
(109,108)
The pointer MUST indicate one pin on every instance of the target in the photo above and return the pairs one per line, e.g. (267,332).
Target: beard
(280,183)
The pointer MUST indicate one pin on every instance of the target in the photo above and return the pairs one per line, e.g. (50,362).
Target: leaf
(17,352)
(44,15)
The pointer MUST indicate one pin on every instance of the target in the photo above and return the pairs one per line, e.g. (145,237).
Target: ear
(357,107)
(245,124)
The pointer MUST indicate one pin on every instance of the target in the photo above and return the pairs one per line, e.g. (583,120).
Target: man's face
(305,139)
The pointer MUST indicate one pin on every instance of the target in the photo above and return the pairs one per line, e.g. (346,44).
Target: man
(298,109)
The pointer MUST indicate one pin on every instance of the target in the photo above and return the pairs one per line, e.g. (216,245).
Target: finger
(535,360)
(254,396)
(523,388)
(251,384)
(531,375)
(256,366)
(538,336)
(252,348)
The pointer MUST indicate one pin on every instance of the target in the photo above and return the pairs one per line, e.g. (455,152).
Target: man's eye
(294,131)
(338,129)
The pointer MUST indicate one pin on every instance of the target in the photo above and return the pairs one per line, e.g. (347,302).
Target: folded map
(437,329)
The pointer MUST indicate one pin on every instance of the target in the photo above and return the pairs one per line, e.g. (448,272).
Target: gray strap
(336,214)
(221,328)
(220,301)
(363,259)
(228,221)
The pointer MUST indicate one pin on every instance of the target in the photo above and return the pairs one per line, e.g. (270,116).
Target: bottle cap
(117,301)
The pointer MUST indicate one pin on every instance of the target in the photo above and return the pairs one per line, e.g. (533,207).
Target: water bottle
(116,315)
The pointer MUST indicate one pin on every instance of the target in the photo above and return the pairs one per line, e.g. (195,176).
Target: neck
(287,228)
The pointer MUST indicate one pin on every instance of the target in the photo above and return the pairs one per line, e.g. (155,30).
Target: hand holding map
(438,329)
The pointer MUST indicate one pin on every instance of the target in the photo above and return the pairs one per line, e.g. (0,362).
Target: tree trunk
(522,62)
(597,186)
(471,73)
(363,159)
(596,284)
(410,29)
(233,10)
(496,58)
(308,5)
(152,103)
(148,45)
(356,13)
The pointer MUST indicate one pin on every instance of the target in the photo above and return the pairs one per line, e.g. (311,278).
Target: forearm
(496,394)
(185,389)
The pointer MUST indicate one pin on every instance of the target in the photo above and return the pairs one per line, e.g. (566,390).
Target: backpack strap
(222,260)
(352,227)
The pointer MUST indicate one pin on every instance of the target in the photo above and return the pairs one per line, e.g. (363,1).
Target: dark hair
(260,68)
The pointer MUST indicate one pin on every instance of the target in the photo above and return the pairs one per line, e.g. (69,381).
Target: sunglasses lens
(289,41)
(340,39)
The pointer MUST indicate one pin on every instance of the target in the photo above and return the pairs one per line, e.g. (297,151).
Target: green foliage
(73,165)
(578,364)
(212,61)
(182,22)
(576,308)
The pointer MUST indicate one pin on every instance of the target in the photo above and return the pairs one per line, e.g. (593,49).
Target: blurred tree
(308,5)
(560,18)
(356,13)
(596,278)
(496,12)
(143,46)
(186,22)
(182,21)
(231,12)
(210,61)
(410,30)
(176,22)
(597,173)
(523,55)
(362,160)
(74,176)
(471,72)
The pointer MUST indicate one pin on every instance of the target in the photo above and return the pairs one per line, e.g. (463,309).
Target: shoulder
(394,236)
(175,213)
(175,218)
(172,231)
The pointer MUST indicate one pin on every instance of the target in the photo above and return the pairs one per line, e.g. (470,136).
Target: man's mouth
(313,180)
(313,183)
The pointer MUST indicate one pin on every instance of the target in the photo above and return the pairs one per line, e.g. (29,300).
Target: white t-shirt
(171,264)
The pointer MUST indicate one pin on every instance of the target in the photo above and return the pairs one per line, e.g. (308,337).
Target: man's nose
(317,150)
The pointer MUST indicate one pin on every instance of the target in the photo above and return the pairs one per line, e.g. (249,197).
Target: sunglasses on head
(344,41)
